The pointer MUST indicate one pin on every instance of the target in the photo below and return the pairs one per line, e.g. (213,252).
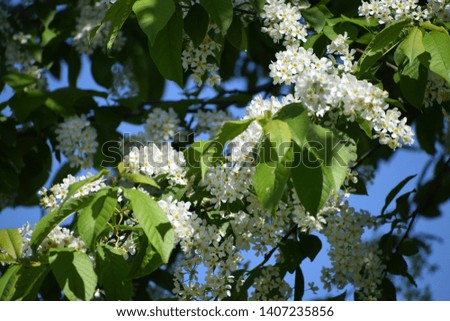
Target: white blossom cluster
(198,59)
(51,199)
(161,125)
(152,161)
(353,261)
(283,21)
(204,246)
(91,13)
(257,229)
(77,140)
(386,11)
(305,221)
(440,9)
(209,122)
(228,184)
(324,91)
(19,58)
(437,90)
(124,84)
(340,48)
(270,286)
(58,238)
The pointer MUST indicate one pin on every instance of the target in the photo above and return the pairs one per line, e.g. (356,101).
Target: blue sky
(404,163)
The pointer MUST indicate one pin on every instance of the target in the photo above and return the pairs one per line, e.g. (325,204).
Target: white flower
(77,141)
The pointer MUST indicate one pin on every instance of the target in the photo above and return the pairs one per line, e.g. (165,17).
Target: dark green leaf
(393,193)
(146,261)
(409,247)
(29,281)
(18,80)
(166,49)
(74,272)
(220,11)
(8,282)
(153,16)
(114,273)
(397,265)
(389,293)
(237,35)
(310,245)
(299,285)
(24,103)
(196,24)
(154,222)
(117,13)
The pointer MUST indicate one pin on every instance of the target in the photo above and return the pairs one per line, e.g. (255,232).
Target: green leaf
(413,46)
(272,172)
(409,247)
(220,11)
(153,16)
(237,35)
(413,82)
(74,272)
(154,222)
(196,24)
(29,281)
(51,220)
(63,101)
(232,129)
(73,188)
(113,273)
(166,49)
(93,218)
(389,293)
(201,155)
(310,245)
(146,260)
(24,103)
(18,80)
(437,44)
(8,282)
(322,157)
(140,179)
(393,193)
(299,285)
(382,43)
(269,181)
(117,13)
(11,243)
(314,17)
(429,128)
(397,265)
